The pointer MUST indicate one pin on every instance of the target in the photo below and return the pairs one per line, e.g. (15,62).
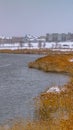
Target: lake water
(20,84)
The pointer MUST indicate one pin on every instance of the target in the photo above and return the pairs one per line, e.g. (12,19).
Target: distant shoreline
(36,51)
(26,51)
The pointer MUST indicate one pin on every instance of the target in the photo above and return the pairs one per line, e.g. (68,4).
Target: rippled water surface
(19,85)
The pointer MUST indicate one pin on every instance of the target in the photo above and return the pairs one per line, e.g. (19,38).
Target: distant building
(41,38)
(68,37)
(28,38)
(63,37)
(49,37)
(17,39)
(59,39)
(55,37)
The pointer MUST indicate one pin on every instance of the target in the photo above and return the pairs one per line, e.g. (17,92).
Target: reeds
(54,110)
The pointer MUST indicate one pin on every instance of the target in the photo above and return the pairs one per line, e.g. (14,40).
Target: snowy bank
(60,46)
(55,89)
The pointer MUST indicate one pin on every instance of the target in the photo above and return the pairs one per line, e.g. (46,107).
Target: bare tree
(39,44)
(44,44)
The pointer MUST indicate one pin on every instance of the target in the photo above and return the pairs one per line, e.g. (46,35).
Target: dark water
(19,85)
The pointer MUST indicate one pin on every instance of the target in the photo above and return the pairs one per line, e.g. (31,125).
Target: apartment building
(56,37)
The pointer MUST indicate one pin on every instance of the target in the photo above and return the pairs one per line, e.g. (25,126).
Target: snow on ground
(55,89)
(11,46)
(61,46)
(50,44)
(71,60)
(66,44)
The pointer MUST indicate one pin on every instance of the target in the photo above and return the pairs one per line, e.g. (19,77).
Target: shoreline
(44,51)
(53,109)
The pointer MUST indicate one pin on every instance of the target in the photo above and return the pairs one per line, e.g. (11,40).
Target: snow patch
(61,46)
(71,60)
(55,89)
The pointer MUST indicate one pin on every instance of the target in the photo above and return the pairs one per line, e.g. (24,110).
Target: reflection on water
(19,85)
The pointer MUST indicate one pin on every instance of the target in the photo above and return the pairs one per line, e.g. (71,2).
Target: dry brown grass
(26,51)
(55,105)
(54,111)
(43,125)
(54,63)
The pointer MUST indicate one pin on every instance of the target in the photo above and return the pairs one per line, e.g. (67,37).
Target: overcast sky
(35,17)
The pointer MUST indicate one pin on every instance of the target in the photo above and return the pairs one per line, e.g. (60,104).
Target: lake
(20,84)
